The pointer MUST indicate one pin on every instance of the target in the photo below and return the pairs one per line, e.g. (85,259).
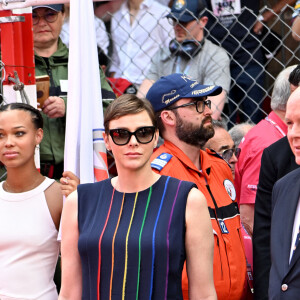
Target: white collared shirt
(295,229)
(102,38)
(134,45)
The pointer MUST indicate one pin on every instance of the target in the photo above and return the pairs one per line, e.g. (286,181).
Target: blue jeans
(246,94)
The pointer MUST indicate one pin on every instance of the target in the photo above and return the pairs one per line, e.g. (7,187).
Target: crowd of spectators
(201,65)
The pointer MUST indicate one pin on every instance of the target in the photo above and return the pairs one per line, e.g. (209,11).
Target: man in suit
(284,280)
(277,161)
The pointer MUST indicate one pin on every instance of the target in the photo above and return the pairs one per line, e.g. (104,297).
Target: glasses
(49,17)
(228,153)
(143,135)
(200,105)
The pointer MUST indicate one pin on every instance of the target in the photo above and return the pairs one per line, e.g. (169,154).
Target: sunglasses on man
(228,153)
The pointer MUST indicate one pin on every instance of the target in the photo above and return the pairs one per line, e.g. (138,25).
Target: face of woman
(134,155)
(46,33)
(18,138)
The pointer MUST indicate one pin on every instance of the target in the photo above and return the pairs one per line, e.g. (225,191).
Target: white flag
(85,153)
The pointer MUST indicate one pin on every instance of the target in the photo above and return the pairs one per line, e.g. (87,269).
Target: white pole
(14,4)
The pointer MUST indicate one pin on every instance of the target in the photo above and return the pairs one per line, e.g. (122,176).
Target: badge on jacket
(229,187)
(160,161)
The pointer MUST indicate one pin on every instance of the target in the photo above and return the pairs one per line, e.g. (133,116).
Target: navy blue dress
(132,245)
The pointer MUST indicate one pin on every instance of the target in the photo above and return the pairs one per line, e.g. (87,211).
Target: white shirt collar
(144,4)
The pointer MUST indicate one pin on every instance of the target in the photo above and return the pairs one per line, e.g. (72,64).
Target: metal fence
(276,38)
(286,48)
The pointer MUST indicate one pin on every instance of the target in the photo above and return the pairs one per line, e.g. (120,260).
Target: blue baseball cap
(169,89)
(56,7)
(186,10)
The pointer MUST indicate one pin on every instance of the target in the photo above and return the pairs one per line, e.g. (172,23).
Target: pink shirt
(265,133)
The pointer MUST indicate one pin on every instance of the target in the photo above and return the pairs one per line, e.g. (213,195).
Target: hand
(257,28)
(69,183)
(265,17)
(54,107)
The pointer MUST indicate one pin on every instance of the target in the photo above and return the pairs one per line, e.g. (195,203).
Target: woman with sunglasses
(128,237)
(30,210)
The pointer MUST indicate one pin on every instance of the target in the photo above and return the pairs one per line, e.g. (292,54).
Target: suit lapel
(292,198)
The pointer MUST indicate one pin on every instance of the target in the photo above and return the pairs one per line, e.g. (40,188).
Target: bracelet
(260,18)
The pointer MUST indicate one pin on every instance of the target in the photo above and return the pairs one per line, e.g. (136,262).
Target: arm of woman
(71,287)
(199,246)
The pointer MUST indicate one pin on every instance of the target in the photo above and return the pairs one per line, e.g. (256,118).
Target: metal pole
(17,4)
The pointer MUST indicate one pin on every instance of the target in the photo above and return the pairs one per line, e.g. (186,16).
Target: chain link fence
(276,45)
(248,98)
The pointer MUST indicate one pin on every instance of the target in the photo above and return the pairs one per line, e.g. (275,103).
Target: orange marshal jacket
(216,183)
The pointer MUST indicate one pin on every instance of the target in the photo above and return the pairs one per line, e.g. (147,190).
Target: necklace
(29,187)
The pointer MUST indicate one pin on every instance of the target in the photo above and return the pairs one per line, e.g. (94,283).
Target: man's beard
(193,134)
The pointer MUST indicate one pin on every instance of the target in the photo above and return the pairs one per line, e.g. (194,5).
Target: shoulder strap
(46,183)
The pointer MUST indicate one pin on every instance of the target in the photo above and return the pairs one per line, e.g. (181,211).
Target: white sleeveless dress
(28,245)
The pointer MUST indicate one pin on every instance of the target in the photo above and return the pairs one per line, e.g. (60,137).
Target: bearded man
(183,114)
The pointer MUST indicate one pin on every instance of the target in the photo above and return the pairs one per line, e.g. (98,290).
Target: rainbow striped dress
(132,245)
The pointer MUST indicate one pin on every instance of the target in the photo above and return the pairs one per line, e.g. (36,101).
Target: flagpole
(17,4)
(85,153)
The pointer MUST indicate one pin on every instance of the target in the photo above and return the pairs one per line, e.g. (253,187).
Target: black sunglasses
(143,135)
(200,105)
(228,153)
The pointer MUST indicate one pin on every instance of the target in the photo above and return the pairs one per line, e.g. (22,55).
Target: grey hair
(219,124)
(281,90)
(237,132)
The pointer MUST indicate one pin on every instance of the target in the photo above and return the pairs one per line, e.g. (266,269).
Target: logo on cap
(179,4)
(197,92)
(187,77)
(168,100)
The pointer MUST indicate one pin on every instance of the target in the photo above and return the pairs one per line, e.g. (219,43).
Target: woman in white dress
(30,210)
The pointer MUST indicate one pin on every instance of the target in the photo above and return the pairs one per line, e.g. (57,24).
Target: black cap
(186,10)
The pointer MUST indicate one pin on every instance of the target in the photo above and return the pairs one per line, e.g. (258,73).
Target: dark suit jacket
(277,160)
(285,196)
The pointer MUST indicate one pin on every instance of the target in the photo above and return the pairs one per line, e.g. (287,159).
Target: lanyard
(178,68)
(275,125)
